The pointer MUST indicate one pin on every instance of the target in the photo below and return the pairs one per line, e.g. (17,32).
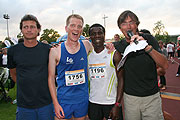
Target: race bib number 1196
(97,70)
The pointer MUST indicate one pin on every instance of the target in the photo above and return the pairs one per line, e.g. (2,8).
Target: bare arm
(13,74)
(115,110)
(53,60)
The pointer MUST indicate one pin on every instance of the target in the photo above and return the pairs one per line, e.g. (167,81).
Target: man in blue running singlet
(70,60)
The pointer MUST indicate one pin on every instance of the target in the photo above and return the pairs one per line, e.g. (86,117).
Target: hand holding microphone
(130,34)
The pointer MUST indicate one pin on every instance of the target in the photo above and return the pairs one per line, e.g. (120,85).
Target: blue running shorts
(76,110)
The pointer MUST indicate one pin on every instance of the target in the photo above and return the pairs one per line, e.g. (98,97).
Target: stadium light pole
(105,20)
(6,16)
(72,12)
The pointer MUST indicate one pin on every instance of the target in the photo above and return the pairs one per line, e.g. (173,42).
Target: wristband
(148,51)
(118,104)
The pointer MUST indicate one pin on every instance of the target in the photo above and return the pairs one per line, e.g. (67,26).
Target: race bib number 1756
(75,77)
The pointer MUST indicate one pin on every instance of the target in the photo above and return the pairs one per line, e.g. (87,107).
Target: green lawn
(8,110)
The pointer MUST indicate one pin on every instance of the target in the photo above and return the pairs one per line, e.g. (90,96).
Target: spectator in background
(1,54)
(116,42)
(116,37)
(4,57)
(170,50)
(178,71)
(4,63)
(178,49)
(162,77)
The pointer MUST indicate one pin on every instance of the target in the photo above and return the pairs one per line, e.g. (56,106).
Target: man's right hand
(59,111)
(114,114)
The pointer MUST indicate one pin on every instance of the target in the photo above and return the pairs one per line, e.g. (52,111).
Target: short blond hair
(74,16)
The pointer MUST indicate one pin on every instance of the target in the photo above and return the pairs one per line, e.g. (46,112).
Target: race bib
(75,77)
(97,70)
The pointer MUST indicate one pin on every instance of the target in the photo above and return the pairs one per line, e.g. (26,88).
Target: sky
(52,14)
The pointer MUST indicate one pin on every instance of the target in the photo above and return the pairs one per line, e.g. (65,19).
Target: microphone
(130,34)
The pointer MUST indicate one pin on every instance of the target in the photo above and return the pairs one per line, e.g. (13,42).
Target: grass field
(7,109)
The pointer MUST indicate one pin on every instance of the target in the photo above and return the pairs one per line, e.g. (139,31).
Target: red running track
(171,99)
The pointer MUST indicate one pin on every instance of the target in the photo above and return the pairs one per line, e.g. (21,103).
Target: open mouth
(75,34)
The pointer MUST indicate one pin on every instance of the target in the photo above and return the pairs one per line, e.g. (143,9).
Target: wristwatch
(149,50)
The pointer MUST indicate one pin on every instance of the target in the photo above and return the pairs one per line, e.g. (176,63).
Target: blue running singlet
(72,77)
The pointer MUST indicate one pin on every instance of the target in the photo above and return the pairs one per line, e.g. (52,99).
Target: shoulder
(151,40)
(87,45)
(121,45)
(44,45)
(15,47)
(149,37)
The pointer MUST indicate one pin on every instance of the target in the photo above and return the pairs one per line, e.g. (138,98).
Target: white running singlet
(102,77)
